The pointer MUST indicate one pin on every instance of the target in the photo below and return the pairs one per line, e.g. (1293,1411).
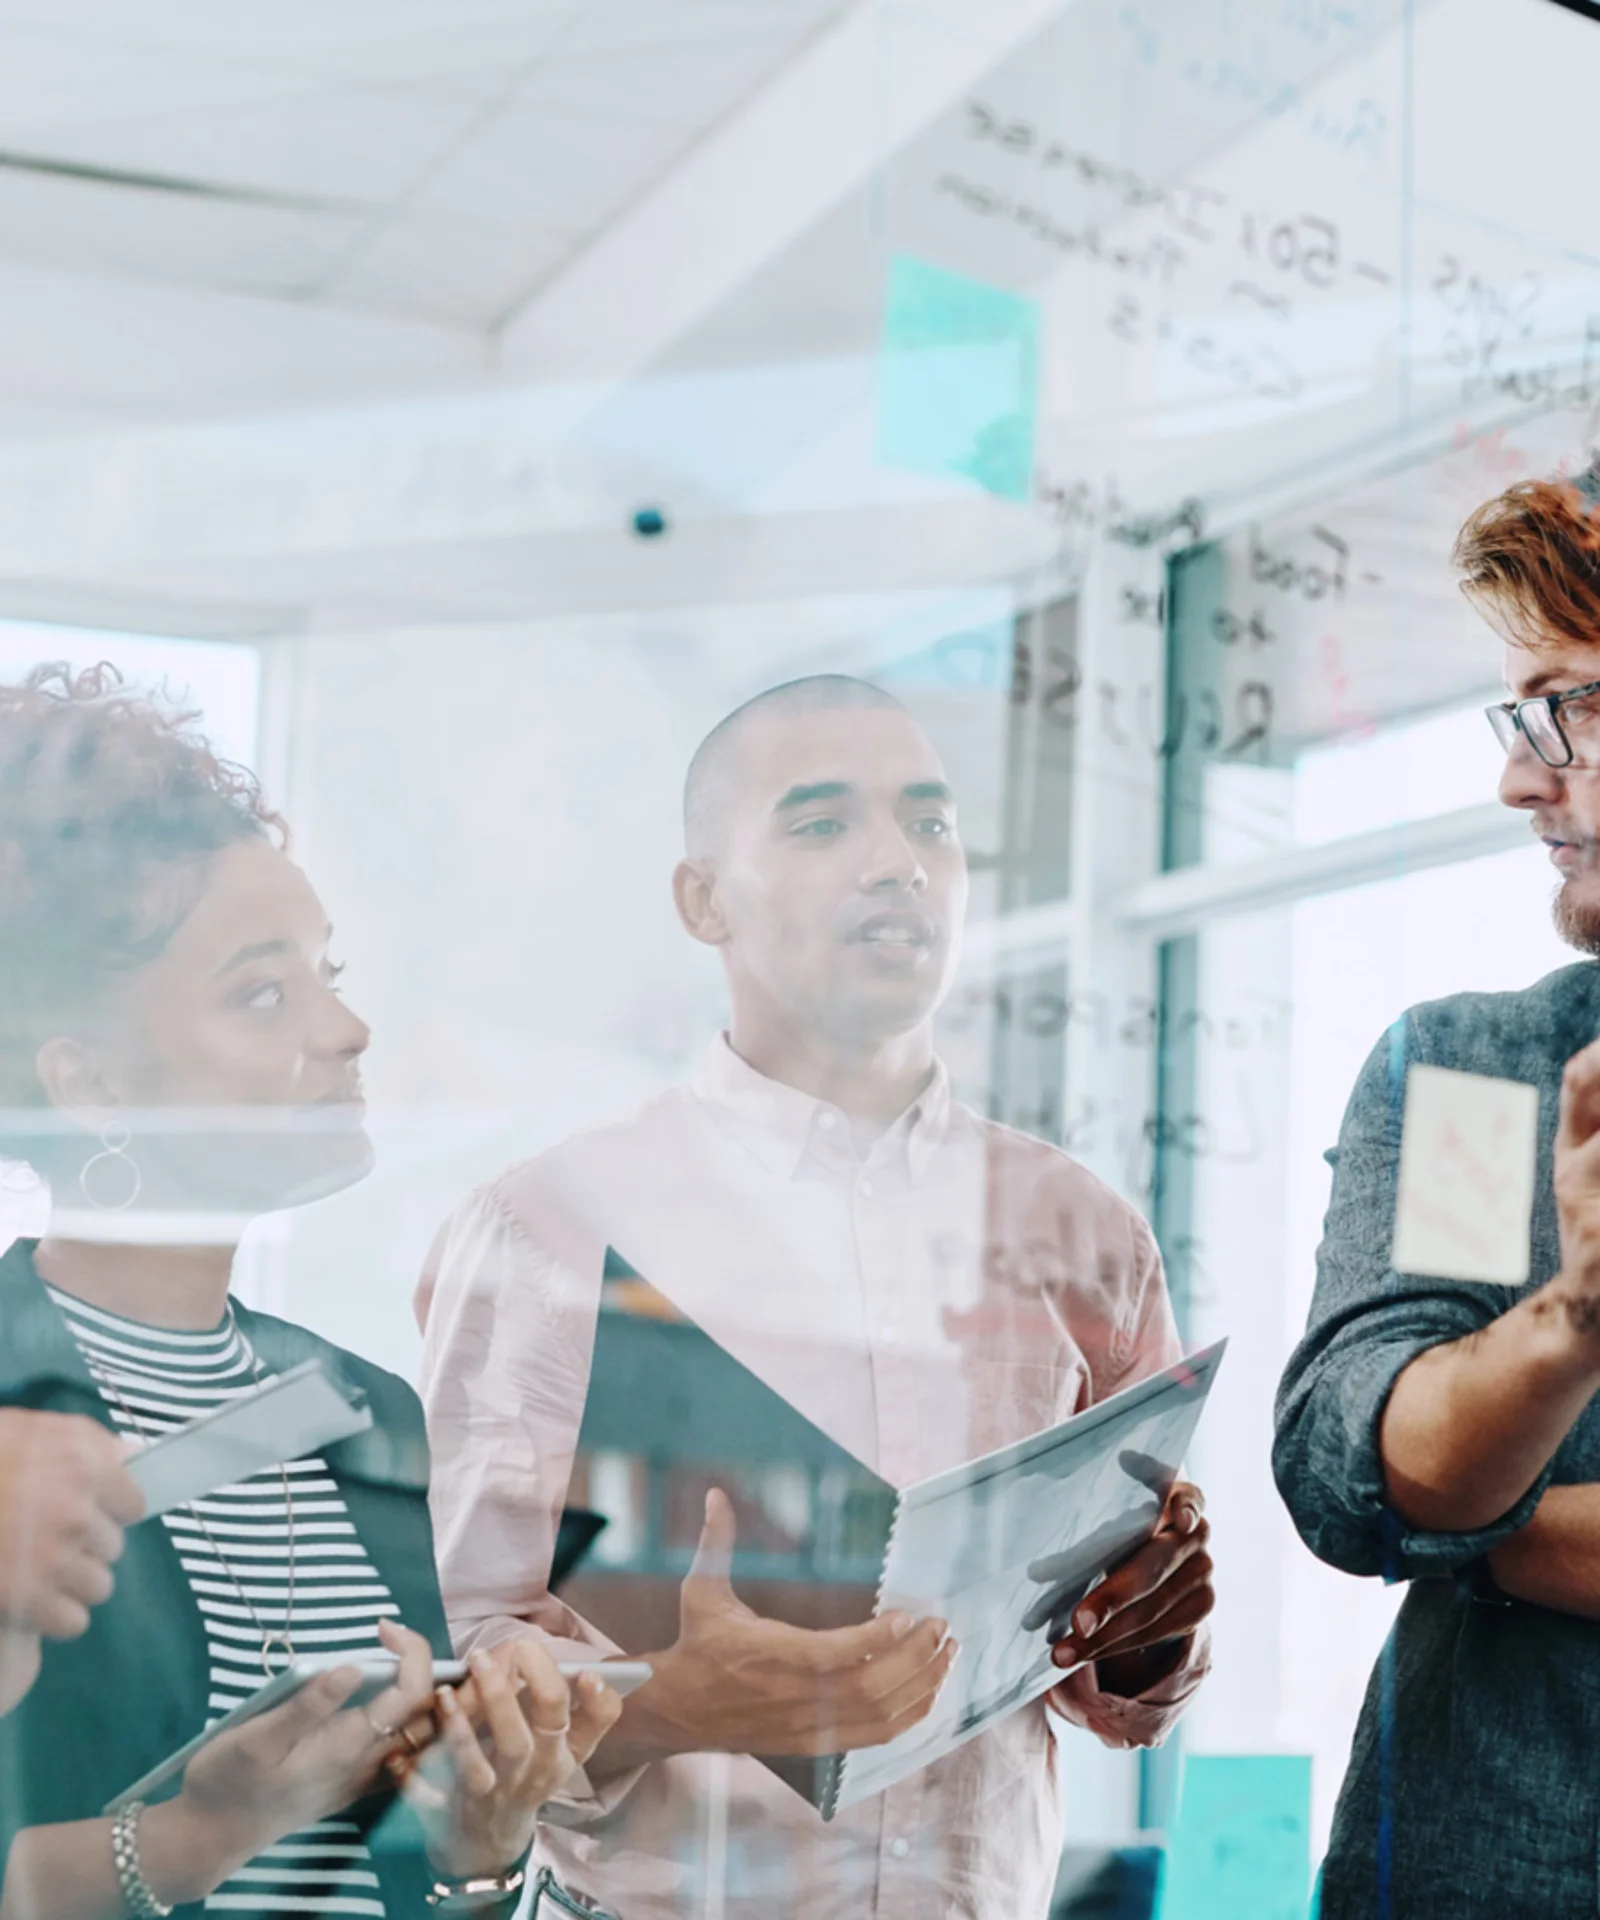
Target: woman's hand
(20,1656)
(282,1771)
(505,1746)
(66,1497)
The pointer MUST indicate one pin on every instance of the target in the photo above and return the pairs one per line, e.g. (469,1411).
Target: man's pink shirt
(958,1287)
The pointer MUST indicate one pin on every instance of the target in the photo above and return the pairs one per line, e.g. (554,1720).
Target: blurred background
(464,403)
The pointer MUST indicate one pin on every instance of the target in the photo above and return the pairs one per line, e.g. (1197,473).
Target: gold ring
(411,1740)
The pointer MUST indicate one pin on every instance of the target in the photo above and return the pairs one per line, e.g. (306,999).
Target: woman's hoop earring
(115,1136)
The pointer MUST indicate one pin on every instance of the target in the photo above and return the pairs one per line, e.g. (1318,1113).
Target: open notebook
(1003,1547)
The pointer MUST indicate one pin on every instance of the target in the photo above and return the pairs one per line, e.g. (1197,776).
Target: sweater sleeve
(1367,1324)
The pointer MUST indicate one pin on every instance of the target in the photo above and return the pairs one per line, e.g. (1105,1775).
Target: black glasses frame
(1505,717)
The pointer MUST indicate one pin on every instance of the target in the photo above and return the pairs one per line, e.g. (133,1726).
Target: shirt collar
(777,1122)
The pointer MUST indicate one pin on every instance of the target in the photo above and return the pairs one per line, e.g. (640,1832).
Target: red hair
(1529,560)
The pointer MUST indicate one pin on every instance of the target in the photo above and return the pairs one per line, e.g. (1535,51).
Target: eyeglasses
(1539,722)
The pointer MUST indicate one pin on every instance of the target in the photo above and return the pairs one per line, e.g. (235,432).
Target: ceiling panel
(454,270)
(672,86)
(558,169)
(620,25)
(246,248)
(50,79)
(353,146)
(451,154)
(475,57)
(288,29)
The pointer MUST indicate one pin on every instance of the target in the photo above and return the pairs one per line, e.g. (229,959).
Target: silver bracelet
(477,1894)
(141,1901)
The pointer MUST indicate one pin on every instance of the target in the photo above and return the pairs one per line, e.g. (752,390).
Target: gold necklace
(280,1642)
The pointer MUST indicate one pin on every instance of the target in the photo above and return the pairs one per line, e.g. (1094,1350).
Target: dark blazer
(111,1705)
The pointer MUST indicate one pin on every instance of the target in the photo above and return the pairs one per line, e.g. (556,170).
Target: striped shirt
(164,1379)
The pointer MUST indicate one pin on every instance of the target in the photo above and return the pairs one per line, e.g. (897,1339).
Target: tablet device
(285,1418)
(621,1676)
(377,1673)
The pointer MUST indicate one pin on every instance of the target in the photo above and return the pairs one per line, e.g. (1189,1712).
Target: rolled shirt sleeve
(505,1371)
(1143,1339)
(1143,1720)
(1367,1324)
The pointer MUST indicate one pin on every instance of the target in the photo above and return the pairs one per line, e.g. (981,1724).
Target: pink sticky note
(1467,1157)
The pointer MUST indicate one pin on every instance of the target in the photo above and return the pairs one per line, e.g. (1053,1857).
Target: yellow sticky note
(1467,1157)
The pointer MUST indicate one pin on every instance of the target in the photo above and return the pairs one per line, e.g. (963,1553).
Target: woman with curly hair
(175,1058)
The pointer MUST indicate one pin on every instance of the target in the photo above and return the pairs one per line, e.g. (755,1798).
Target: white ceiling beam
(828,121)
(861,550)
(83,351)
(503,456)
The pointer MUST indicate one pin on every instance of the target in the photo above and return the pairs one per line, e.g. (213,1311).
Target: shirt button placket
(881,1251)
(904,1889)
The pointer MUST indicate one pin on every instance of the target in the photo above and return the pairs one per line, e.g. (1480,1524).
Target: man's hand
(1577,1186)
(1471,1423)
(1137,1624)
(65,1498)
(736,1683)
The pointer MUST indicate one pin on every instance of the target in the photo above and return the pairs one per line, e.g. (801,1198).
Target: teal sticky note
(958,378)
(1241,1843)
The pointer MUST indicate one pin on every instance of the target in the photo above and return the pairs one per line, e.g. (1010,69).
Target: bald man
(922,1284)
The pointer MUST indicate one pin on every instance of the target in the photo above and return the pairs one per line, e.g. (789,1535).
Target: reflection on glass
(808,1266)
(463,412)
(219,1618)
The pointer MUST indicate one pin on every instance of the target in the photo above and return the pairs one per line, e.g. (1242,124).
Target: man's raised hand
(737,1683)
(1577,1178)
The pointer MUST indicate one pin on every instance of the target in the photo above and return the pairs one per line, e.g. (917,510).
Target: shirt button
(900,1848)
(865,1189)
(828,1120)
